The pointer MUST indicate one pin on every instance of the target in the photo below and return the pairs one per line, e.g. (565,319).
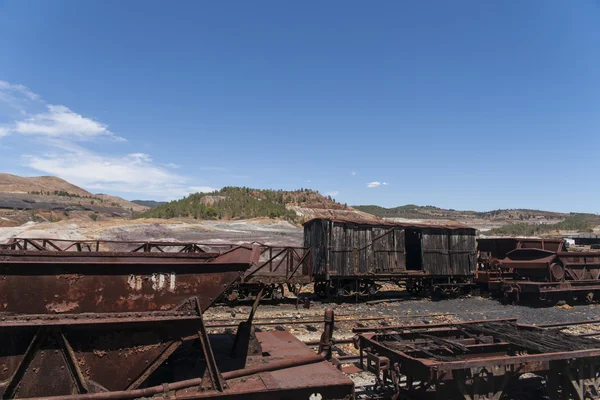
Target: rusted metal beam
(424,326)
(294,322)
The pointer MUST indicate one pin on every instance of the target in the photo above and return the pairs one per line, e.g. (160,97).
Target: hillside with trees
(243,203)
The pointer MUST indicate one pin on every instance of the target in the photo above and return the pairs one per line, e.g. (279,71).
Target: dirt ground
(266,231)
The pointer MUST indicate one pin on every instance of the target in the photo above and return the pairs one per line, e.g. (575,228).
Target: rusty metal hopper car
(277,267)
(480,360)
(534,274)
(351,257)
(121,325)
(491,252)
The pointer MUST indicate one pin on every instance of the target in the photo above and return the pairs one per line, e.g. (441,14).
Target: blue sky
(463,104)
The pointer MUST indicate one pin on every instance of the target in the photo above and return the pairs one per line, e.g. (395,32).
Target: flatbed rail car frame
(277,267)
(477,360)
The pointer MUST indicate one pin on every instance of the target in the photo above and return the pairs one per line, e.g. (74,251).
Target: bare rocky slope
(50,199)
(482,220)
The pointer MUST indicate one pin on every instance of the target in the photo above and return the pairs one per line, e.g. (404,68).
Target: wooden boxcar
(349,256)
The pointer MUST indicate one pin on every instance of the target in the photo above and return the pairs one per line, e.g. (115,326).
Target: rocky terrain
(178,229)
(51,199)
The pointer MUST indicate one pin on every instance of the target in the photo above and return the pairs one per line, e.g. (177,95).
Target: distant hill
(149,203)
(430,212)
(574,222)
(483,220)
(48,198)
(243,203)
(43,184)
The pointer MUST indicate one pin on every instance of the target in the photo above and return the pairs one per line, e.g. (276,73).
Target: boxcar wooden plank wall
(435,252)
(354,248)
(463,255)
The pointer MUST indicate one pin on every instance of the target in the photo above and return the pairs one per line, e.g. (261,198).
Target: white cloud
(60,121)
(376,184)
(132,173)
(202,189)
(58,132)
(307,181)
(333,193)
(353,173)
(14,93)
(172,165)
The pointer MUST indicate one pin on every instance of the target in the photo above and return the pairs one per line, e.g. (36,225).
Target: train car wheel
(557,271)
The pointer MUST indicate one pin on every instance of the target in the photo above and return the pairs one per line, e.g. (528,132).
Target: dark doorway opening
(414,258)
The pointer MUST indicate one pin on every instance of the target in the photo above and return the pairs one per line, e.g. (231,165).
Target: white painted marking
(172,282)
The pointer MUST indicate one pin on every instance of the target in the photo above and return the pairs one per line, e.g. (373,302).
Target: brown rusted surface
(121,359)
(81,322)
(481,358)
(548,276)
(491,252)
(109,325)
(273,267)
(52,282)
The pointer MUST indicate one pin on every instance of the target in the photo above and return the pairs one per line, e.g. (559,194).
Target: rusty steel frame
(286,368)
(78,322)
(548,276)
(410,363)
(99,325)
(276,266)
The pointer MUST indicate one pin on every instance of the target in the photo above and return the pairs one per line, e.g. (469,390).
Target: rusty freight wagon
(491,252)
(548,276)
(276,268)
(108,325)
(350,257)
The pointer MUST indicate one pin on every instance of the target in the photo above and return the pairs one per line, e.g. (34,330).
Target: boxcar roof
(386,223)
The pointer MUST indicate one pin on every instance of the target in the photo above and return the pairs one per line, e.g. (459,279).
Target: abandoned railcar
(350,257)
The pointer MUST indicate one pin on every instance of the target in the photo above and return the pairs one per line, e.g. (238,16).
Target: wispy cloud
(59,134)
(376,184)
(60,121)
(353,173)
(203,189)
(214,169)
(131,173)
(16,96)
(57,121)
(332,193)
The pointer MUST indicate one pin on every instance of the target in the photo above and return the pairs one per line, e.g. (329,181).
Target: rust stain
(61,307)
(71,278)
(85,369)
(99,353)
